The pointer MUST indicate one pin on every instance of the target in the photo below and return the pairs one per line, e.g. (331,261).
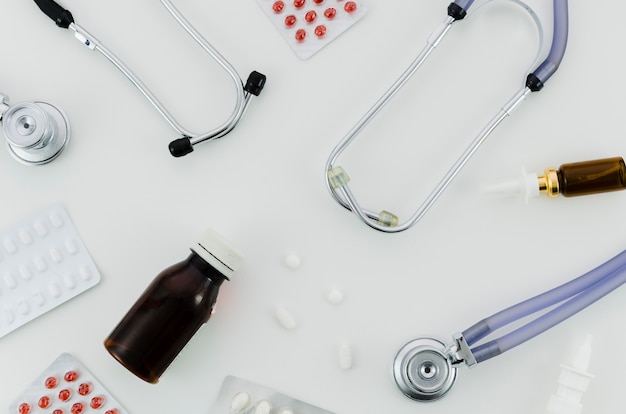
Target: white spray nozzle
(526,186)
(573,382)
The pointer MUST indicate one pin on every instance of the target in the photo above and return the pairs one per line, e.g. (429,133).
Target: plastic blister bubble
(309,25)
(66,387)
(43,263)
(238,396)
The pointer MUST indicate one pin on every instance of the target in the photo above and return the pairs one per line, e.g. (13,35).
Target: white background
(262,187)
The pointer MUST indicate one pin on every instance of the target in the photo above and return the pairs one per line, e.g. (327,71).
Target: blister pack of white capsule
(309,25)
(238,396)
(43,263)
(66,387)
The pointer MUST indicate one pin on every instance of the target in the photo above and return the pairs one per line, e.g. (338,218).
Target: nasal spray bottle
(170,311)
(573,382)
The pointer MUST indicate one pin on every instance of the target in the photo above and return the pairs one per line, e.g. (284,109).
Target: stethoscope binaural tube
(182,146)
(337,180)
(440,361)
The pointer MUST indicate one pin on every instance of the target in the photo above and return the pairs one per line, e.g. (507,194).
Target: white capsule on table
(284,410)
(345,356)
(285,318)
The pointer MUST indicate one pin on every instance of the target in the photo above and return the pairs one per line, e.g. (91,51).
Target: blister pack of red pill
(309,25)
(66,387)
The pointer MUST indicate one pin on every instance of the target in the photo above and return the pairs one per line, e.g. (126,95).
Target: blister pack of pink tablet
(66,387)
(239,396)
(309,25)
(43,263)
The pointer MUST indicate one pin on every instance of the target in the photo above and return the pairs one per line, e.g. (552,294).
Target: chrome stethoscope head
(36,132)
(423,371)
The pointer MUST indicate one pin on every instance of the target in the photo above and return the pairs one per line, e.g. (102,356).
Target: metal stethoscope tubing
(184,145)
(337,179)
(425,369)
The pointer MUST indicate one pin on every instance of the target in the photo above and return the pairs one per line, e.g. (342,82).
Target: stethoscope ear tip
(255,83)
(181,147)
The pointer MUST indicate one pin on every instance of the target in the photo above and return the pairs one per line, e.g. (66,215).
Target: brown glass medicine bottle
(173,307)
(583,178)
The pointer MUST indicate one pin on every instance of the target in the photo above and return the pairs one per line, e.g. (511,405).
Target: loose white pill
(345,356)
(292,261)
(263,407)
(335,296)
(285,318)
(240,402)
(284,410)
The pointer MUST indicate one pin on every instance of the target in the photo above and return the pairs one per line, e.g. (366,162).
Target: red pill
(70,376)
(50,382)
(290,20)
(64,395)
(320,30)
(113,411)
(278,6)
(23,408)
(318,1)
(300,35)
(44,402)
(310,16)
(97,402)
(84,388)
(350,7)
(57,411)
(330,13)
(298,4)
(77,408)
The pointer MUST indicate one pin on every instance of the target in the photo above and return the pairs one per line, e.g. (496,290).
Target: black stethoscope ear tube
(62,17)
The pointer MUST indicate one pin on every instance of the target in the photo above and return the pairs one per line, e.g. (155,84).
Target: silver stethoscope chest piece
(423,371)
(36,132)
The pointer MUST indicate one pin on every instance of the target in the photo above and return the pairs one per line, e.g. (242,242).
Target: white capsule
(263,407)
(40,228)
(285,318)
(9,281)
(70,281)
(25,237)
(70,246)
(54,289)
(292,261)
(345,356)
(55,255)
(10,245)
(240,403)
(284,410)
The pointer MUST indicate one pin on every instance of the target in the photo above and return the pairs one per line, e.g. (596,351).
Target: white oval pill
(240,402)
(56,220)
(40,228)
(10,245)
(70,246)
(25,237)
(285,318)
(263,407)
(292,261)
(335,296)
(54,289)
(284,410)
(10,281)
(70,281)
(55,255)
(25,272)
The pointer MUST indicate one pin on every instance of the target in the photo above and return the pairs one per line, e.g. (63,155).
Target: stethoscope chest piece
(36,132)
(422,369)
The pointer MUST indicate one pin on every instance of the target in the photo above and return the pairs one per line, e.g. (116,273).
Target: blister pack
(43,263)
(239,396)
(309,25)
(66,387)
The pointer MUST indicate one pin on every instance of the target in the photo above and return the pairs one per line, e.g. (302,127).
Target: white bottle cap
(218,253)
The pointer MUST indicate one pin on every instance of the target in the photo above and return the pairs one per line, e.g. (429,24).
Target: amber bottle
(173,307)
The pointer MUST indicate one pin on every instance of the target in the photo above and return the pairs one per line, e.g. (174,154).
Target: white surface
(262,187)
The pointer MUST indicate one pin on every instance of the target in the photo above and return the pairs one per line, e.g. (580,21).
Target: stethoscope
(425,368)
(36,132)
(337,179)
(182,146)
